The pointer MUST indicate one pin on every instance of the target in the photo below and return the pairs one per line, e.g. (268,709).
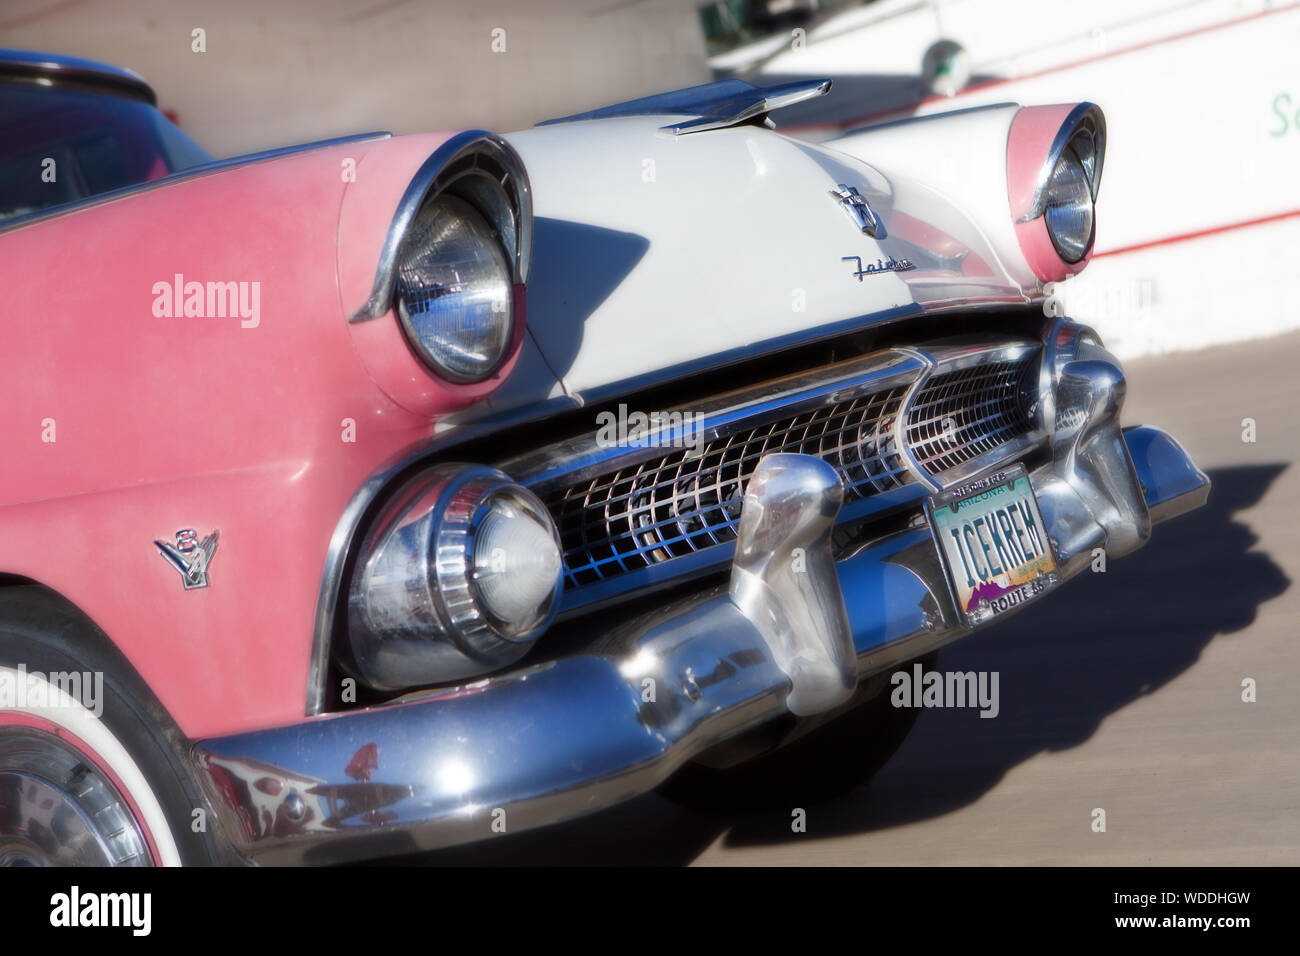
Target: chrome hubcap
(57,809)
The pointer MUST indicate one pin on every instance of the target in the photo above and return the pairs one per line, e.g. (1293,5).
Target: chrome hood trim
(710,105)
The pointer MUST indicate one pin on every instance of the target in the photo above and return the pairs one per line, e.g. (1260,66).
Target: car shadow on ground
(1065,664)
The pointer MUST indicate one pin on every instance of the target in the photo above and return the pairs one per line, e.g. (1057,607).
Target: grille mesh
(958,416)
(687,500)
(690,499)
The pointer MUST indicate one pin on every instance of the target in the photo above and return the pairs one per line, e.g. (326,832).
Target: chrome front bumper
(795,633)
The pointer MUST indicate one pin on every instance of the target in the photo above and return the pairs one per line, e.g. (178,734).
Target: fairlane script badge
(880,265)
(190,556)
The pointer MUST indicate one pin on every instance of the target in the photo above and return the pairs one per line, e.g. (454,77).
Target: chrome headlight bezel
(1083,132)
(1078,151)
(416,615)
(483,170)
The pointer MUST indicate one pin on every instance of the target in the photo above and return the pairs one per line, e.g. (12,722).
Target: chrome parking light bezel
(455,541)
(427,623)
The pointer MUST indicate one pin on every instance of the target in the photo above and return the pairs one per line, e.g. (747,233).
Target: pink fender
(164,423)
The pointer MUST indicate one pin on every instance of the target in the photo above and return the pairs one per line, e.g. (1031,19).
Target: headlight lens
(459,577)
(1068,207)
(454,291)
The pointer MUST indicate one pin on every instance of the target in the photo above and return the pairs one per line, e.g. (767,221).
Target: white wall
(1202,101)
(286,72)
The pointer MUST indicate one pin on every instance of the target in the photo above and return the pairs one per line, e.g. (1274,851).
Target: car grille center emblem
(859,210)
(190,556)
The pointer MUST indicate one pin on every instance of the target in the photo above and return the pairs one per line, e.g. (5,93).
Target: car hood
(655,254)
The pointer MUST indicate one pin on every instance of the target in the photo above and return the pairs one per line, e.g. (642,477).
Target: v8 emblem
(190,556)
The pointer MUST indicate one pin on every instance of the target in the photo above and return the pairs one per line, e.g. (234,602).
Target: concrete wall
(276,73)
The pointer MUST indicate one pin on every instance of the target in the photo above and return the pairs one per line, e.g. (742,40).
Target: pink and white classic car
(387,493)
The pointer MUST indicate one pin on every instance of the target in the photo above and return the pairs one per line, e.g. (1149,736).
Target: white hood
(654,253)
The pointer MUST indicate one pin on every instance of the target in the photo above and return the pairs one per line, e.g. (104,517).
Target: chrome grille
(626,510)
(690,499)
(957,416)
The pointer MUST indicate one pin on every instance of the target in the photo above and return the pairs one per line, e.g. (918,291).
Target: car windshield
(58,146)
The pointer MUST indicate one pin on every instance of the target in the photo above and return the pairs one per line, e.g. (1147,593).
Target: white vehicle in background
(1202,98)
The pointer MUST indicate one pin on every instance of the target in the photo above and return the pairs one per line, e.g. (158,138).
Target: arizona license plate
(994,544)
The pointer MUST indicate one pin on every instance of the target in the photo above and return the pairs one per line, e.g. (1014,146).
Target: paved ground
(1122,692)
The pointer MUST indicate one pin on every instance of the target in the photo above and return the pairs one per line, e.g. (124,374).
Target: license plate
(994,545)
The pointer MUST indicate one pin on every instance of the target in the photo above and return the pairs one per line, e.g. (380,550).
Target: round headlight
(458,578)
(1068,207)
(455,297)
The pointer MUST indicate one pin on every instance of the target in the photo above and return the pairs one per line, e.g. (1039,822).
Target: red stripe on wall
(1169,240)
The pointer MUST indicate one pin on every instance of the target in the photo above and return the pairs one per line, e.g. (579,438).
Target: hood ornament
(859,210)
(190,556)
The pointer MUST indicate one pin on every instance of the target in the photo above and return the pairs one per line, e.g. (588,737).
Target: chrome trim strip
(585,457)
(911,120)
(923,477)
(346,532)
(427,182)
(716,105)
